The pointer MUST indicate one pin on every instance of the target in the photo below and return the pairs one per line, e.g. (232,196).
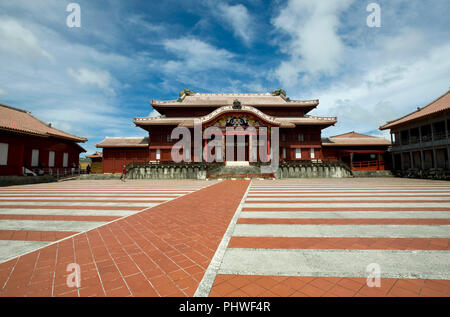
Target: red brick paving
(34,235)
(304,286)
(340,243)
(161,251)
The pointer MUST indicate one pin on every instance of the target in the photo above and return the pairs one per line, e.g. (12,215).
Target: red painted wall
(115,158)
(20,147)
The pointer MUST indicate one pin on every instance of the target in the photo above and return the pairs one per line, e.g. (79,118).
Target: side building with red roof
(359,151)
(29,144)
(420,140)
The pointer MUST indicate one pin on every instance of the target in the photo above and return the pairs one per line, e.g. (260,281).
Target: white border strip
(204,288)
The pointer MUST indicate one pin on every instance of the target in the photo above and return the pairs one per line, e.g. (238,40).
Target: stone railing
(313,169)
(168,170)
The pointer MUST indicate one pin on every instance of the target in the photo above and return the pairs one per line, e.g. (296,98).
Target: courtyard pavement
(302,237)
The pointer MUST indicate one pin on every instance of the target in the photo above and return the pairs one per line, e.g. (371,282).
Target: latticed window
(300,137)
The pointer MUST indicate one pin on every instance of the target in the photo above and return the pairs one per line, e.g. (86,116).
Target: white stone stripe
(345,205)
(347,214)
(341,263)
(349,190)
(12,248)
(46,194)
(299,199)
(366,231)
(347,194)
(376,187)
(85,190)
(49,225)
(68,212)
(93,199)
(68,203)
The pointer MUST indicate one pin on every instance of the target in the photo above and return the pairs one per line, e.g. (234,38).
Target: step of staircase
(241,176)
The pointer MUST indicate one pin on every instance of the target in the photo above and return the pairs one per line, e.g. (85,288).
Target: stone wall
(23,180)
(312,170)
(434,173)
(167,171)
(201,170)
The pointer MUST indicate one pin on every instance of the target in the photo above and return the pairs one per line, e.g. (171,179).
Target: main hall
(299,133)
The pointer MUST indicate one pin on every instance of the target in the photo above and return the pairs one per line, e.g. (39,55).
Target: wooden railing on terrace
(373,165)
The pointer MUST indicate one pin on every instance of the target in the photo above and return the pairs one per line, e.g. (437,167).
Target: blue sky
(93,80)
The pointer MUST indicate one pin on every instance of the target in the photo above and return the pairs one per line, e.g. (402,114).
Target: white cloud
(195,55)
(238,18)
(386,91)
(3,92)
(314,47)
(101,79)
(17,40)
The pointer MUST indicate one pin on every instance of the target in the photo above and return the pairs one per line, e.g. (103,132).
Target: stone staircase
(237,171)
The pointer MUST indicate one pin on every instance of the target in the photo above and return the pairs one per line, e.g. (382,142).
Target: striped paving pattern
(33,216)
(316,237)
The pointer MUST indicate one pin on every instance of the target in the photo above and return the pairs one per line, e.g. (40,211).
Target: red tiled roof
(22,121)
(440,104)
(97,154)
(354,139)
(124,142)
(223,99)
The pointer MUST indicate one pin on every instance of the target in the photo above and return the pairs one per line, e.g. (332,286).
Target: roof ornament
(185,92)
(279,92)
(237,104)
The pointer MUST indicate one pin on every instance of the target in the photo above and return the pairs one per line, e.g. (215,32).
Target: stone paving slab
(317,237)
(42,212)
(161,251)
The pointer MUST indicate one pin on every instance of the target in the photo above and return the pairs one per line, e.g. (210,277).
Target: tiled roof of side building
(22,121)
(123,142)
(97,154)
(440,104)
(355,139)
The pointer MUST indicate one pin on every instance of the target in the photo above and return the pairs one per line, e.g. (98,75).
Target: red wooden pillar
(205,153)
(351,161)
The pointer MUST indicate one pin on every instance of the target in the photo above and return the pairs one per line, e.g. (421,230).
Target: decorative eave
(281,122)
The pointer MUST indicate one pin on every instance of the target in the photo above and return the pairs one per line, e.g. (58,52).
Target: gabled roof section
(123,142)
(224,99)
(355,139)
(352,134)
(440,104)
(22,121)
